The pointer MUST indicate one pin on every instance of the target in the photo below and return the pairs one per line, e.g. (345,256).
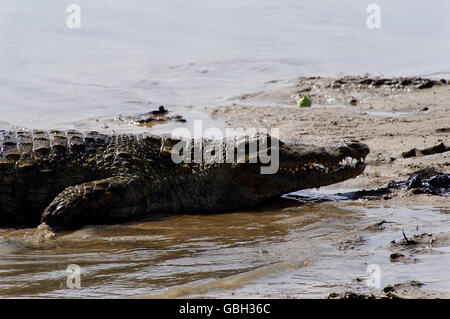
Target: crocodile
(69,179)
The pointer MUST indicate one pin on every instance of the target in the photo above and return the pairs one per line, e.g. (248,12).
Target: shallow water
(130,56)
(288,250)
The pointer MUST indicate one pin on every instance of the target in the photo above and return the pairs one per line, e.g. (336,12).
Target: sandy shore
(394,117)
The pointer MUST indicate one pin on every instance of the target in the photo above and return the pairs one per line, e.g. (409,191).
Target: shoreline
(286,239)
(391,121)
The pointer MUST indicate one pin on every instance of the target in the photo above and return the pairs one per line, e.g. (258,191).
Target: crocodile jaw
(303,167)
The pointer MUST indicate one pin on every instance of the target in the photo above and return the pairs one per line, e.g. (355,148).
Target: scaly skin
(70,179)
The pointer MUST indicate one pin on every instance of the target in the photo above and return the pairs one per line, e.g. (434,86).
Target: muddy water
(129,57)
(286,250)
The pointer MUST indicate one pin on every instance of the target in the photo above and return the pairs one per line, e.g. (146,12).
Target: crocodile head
(299,167)
(262,166)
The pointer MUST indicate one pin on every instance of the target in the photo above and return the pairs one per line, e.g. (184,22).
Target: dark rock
(428,181)
(440,148)
(426,84)
(396,257)
(410,153)
(350,295)
(379,82)
(366,81)
(161,110)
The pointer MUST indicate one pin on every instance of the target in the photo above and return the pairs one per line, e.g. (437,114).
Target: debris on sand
(149,119)
(396,257)
(353,102)
(160,110)
(428,181)
(408,289)
(350,295)
(397,83)
(424,239)
(304,101)
(367,194)
(425,181)
(411,289)
(443,130)
(379,226)
(440,148)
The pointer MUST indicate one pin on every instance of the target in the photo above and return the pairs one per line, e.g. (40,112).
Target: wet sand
(390,120)
(305,248)
(392,116)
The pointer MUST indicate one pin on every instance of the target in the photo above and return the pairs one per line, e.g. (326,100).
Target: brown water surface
(288,250)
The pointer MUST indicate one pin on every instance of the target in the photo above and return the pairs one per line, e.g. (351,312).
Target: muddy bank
(405,122)
(310,249)
(407,290)
(391,118)
(157,116)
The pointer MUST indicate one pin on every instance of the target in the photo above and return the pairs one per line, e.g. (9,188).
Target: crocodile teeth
(347,161)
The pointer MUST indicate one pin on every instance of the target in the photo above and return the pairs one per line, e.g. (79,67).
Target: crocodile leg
(97,202)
